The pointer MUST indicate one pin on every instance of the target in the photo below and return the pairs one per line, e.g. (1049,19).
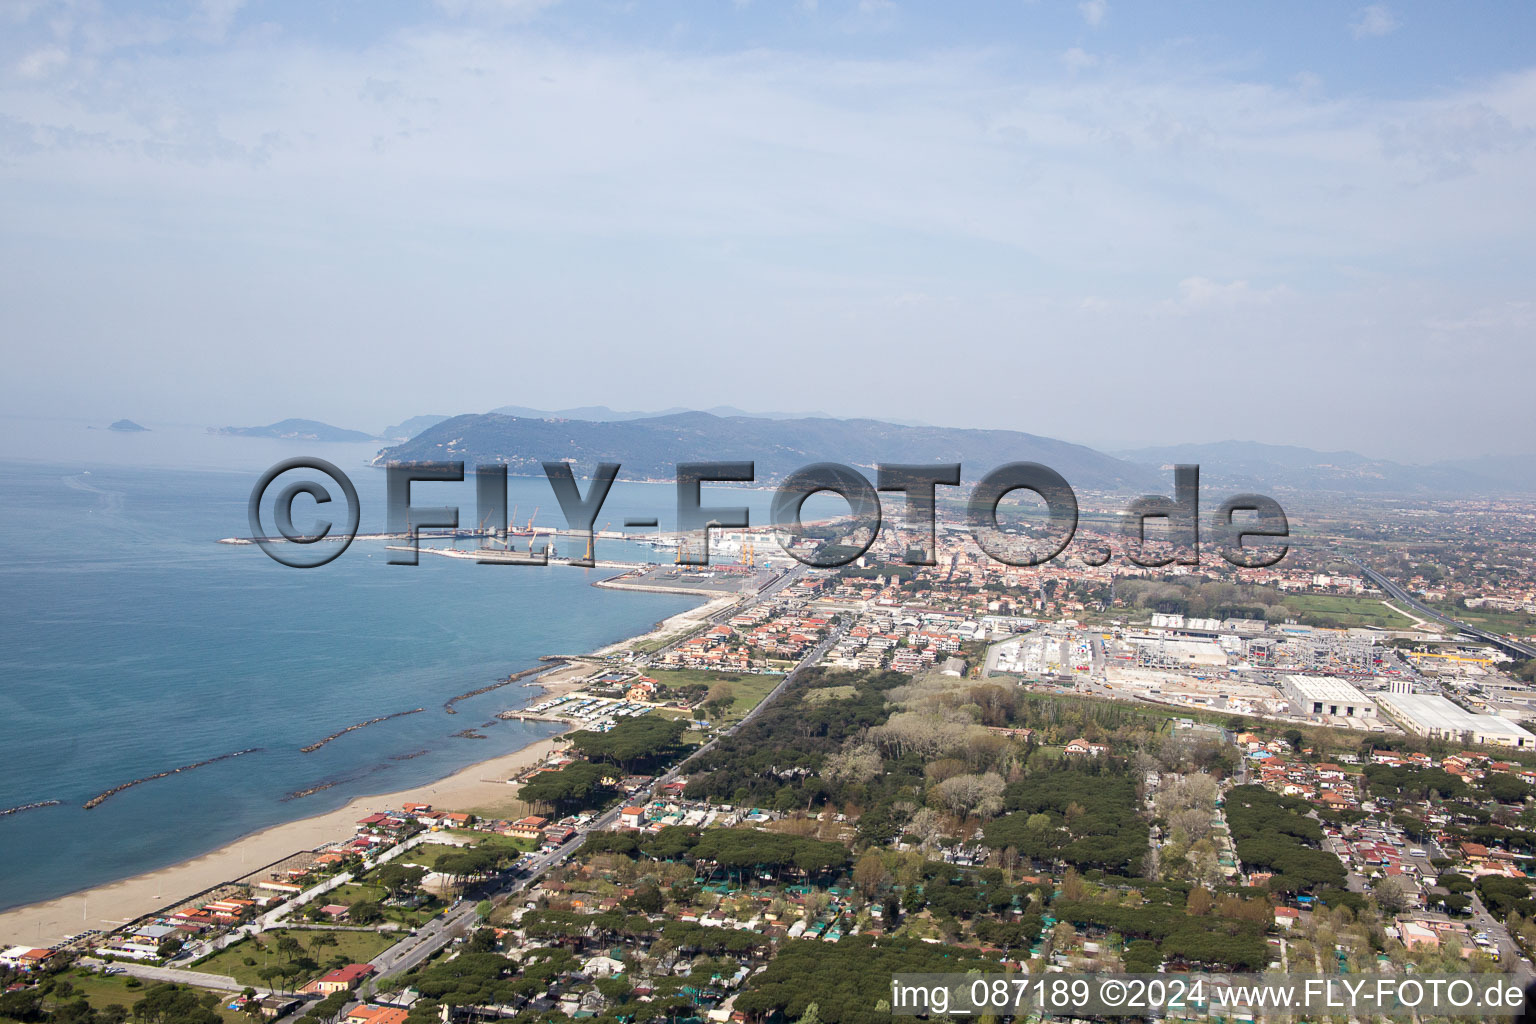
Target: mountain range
(649,446)
(603,414)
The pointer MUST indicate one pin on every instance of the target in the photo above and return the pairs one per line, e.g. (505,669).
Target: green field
(357,947)
(825,693)
(1342,612)
(355,892)
(688,677)
(101,991)
(352,892)
(747,689)
(428,855)
(1513,623)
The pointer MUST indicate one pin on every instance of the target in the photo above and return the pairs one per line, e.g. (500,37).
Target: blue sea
(132,643)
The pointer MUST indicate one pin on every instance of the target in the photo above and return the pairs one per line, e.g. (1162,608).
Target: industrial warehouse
(1331,698)
(1432,716)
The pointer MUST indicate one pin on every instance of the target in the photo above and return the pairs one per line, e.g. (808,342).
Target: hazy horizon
(1111,447)
(1091,221)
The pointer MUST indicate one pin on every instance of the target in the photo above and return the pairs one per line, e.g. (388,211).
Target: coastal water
(133,643)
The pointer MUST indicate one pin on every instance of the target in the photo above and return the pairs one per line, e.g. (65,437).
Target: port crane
(590,538)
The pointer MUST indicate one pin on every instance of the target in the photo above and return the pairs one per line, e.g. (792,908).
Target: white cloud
(215,16)
(1094,11)
(42,63)
(1448,139)
(1078,59)
(1375,20)
(1507,316)
(444,183)
(1200,294)
(514,10)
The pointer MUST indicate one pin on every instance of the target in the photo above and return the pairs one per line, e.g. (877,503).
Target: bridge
(1395,591)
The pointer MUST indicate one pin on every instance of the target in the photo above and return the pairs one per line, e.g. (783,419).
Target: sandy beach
(671,627)
(480,785)
(104,907)
(107,906)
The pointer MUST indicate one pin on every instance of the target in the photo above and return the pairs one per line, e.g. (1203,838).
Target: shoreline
(113,904)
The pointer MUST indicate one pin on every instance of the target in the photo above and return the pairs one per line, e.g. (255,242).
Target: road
(783,580)
(1396,592)
(173,974)
(1509,954)
(1355,881)
(431,937)
(458,920)
(440,931)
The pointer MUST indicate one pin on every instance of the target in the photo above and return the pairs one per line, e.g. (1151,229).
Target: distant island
(296,430)
(127,426)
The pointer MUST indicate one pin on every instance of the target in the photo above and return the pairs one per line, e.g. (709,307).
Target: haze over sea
(134,643)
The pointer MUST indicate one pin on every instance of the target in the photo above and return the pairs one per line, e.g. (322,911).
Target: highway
(1398,593)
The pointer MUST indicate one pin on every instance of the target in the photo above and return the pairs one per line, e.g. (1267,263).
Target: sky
(1304,223)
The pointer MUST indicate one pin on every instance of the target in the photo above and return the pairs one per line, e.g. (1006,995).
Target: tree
(721,696)
(399,879)
(330,1007)
(1391,894)
(859,764)
(633,743)
(981,795)
(615,988)
(483,940)
(575,786)
(174,1004)
(25,1005)
(365,912)
(927,825)
(869,874)
(648,899)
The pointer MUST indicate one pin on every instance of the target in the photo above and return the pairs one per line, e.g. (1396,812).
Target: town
(839,774)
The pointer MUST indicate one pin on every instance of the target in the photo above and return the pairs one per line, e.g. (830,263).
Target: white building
(1426,714)
(1330,698)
